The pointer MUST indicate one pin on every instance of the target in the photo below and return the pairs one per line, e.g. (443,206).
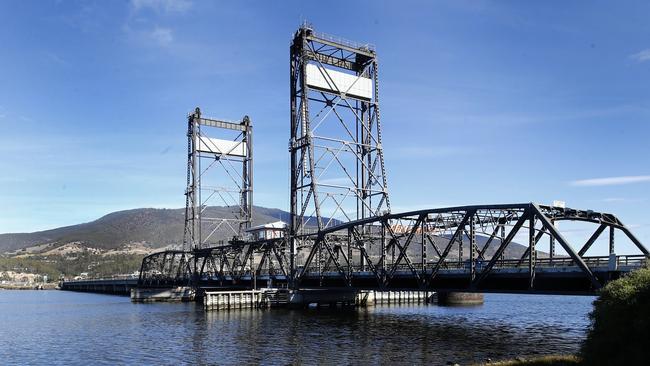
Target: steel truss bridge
(342,233)
(413,250)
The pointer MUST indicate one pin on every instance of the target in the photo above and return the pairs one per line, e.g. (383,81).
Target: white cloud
(642,56)
(340,181)
(620,200)
(162,36)
(56,59)
(432,151)
(614,199)
(611,181)
(163,6)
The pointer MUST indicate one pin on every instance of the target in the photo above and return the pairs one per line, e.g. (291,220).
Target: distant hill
(151,226)
(158,228)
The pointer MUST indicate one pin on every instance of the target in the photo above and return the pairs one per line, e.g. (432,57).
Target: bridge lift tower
(337,160)
(227,163)
(342,233)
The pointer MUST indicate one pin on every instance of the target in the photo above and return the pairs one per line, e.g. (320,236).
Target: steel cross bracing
(221,154)
(416,250)
(337,163)
(342,233)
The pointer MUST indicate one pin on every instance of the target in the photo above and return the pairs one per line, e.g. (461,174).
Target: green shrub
(620,323)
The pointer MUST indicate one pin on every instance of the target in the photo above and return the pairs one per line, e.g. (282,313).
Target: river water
(65,328)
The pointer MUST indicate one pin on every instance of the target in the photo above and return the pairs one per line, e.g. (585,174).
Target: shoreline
(39,287)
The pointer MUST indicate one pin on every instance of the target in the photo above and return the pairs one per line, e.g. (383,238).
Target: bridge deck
(559,278)
(117,286)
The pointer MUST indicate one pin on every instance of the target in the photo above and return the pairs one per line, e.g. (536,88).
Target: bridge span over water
(419,250)
(342,234)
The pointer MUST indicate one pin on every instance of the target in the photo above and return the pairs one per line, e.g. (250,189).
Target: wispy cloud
(142,23)
(641,56)
(614,199)
(162,36)
(162,6)
(56,59)
(154,28)
(422,206)
(432,151)
(621,200)
(149,35)
(611,181)
(340,181)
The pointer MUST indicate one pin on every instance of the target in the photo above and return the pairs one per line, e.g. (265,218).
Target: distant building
(272,230)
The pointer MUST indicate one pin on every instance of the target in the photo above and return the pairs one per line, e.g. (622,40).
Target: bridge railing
(104,278)
(557,262)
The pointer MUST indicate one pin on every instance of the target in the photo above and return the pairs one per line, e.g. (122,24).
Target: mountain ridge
(157,227)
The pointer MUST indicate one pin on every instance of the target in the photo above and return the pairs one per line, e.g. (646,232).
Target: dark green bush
(620,323)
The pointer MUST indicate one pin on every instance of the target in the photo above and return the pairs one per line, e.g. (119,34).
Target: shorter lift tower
(222,208)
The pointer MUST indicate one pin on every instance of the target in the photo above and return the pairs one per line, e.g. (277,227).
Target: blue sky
(482,102)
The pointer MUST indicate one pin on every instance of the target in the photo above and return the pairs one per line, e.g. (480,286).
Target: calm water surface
(56,327)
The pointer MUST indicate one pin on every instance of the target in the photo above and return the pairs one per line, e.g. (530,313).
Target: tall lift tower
(337,162)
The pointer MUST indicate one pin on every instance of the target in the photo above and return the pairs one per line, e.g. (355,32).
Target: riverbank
(39,286)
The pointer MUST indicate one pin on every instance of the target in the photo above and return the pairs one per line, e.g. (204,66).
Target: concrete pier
(322,297)
(247,299)
(370,298)
(175,294)
(363,298)
(263,298)
(226,300)
(459,298)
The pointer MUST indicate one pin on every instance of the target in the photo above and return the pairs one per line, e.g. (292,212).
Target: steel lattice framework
(410,249)
(230,163)
(337,162)
(342,233)
(419,250)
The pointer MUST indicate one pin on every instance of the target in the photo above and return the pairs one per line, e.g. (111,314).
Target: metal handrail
(566,262)
(343,41)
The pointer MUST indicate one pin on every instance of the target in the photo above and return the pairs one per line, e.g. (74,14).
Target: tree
(620,323)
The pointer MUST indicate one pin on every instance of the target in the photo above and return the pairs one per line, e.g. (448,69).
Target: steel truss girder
(399,231)
(346,251)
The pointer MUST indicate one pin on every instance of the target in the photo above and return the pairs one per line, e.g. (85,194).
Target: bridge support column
(175,294)
(460,298)
(305,297)
(551,249)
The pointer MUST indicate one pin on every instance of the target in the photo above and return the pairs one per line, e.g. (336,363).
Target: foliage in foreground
(620,323)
